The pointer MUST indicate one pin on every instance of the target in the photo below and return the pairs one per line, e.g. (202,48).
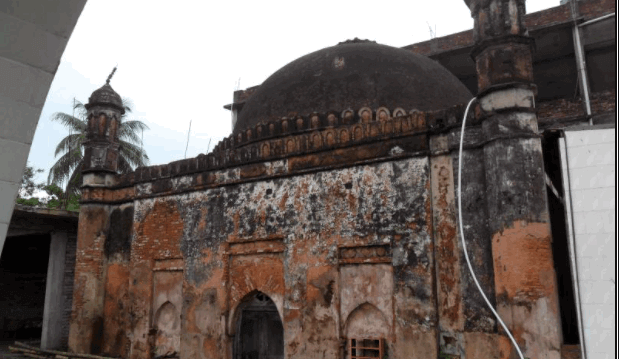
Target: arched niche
(259,331)
(366,329)
(168,326)
(366,321)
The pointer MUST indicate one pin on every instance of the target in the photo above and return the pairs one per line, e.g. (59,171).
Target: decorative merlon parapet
(301,152)
(304,135)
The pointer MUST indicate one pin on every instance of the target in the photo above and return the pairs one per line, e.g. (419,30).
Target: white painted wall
(588,162)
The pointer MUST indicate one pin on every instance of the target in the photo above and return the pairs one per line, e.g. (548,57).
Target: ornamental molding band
(259,152)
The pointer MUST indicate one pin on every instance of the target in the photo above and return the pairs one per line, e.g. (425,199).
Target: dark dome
(353,74)
(106,96)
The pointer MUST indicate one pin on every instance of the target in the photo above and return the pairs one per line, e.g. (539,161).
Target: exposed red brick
(601,103)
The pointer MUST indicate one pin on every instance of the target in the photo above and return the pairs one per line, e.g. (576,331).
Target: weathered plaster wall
(158,228)
(516,201)
(298,240)
(116,306)
(467,327)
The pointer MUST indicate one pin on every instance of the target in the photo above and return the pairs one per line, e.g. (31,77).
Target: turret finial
(107,82)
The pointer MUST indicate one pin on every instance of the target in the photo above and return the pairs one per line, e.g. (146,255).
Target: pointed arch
(167,315)
(366,320)
(238,307)
(258,328)
(167,322)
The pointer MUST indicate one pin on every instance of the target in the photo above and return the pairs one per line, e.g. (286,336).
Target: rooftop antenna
(188,139)
(432,32)
(107,82)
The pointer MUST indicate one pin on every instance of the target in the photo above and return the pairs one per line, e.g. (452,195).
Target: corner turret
(105,109)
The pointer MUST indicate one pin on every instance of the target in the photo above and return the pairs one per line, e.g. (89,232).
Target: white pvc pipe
(592,21)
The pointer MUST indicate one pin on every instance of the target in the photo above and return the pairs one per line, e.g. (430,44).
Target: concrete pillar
(51,336)
(518,220)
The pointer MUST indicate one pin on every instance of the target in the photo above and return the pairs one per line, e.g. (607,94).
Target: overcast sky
(180,61)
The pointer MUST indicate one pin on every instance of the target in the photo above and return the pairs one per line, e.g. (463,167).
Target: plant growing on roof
(67,168)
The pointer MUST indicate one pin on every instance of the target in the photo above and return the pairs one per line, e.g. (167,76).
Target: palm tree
(68,166)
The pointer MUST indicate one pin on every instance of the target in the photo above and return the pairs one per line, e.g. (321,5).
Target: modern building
(36,276)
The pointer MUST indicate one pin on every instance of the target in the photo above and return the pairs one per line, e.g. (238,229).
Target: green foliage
(27,186)
(56,198)
(32,201)
(67,169)
(60,200)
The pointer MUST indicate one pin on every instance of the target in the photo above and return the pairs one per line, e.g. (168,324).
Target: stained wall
(323,246)
(350,231)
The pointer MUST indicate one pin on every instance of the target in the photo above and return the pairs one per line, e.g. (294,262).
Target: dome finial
(106,96)
(356,40)
(107,82)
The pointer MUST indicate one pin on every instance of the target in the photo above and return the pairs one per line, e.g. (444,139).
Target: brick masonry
(345,220)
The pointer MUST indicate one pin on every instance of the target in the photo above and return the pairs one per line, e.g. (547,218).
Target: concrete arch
(26,73)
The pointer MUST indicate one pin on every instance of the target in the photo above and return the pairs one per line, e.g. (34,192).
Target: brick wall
(551,112)
(589,9)
(67,286)
(592,9)
(444,43)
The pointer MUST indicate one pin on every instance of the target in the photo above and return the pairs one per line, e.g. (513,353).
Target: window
(366,348)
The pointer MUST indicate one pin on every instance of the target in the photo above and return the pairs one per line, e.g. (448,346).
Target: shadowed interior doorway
(260,333)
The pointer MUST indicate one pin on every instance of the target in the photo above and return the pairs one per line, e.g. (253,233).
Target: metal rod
(581,65)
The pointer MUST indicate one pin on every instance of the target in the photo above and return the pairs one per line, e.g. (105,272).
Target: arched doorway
(259,331)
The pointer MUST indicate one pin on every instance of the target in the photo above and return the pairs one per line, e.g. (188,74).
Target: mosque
(326,224)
